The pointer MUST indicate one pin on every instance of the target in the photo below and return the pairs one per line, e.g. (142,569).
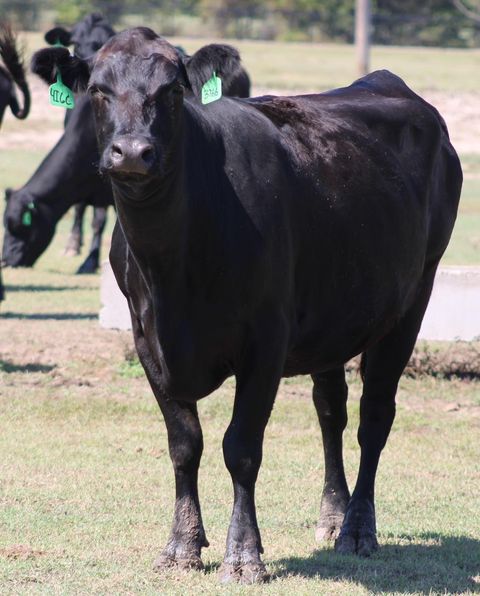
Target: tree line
(394,22)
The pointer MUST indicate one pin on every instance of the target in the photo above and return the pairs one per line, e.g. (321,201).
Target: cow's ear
(8,193)
(75,72)
(58,35)
(222,59)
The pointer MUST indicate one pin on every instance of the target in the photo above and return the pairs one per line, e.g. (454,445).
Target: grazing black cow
(70,173)
(264,238)
(12,74)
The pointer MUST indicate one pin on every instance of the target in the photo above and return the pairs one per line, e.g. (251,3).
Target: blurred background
(453,23)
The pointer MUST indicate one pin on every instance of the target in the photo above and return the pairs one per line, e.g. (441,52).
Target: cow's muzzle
(130,155)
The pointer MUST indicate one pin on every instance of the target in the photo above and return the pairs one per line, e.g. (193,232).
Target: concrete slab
(453,312)
(114,313)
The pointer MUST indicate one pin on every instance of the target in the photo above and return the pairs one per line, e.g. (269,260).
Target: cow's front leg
(242,447)
(185,443)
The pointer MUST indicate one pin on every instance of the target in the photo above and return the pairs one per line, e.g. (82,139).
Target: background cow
(86,37)
(12,74)
(265,238)
(69,175)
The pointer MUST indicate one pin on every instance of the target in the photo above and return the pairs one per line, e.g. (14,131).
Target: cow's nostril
(117,151)
(147,154)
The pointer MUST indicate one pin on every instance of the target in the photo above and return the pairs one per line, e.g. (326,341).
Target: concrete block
(114,313)
(453,312)
(454,309)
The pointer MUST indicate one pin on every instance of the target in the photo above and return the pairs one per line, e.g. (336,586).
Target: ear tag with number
(212,89)
(61,95)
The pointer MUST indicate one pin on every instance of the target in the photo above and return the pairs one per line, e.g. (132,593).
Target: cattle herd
(256,238)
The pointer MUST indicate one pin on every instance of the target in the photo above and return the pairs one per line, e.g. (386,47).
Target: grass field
(86,486)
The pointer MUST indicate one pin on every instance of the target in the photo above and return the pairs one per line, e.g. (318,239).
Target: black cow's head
(28,230)
(138,83)
(87,36)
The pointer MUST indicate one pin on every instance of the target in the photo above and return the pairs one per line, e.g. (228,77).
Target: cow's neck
(58,183)
(173,231)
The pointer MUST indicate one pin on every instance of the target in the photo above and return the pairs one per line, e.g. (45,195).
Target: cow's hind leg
(92,262)
(383,366)
(75,238)
(330,398)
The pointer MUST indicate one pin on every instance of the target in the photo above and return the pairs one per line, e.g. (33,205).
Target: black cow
(86,36)
(69,174)
(264,238)
(12,74)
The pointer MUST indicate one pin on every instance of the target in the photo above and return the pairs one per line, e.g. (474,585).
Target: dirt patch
(443,360)
(21,551)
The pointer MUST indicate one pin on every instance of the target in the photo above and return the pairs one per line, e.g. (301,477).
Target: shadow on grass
(47,316)
(32,288)
(10,367)
(445,564)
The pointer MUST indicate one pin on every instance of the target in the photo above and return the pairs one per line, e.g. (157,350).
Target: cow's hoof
(328,527)
(358,533)
(71,252)
(243,573)
(363,546)
(86,269)
(166,561)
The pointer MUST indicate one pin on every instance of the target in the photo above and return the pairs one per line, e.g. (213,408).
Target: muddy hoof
(166,561)
(246,573)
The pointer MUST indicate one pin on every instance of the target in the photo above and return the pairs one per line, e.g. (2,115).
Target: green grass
(86,487)
(282,65)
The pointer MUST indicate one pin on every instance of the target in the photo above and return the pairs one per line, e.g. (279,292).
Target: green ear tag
(212,89)
(60,95)
(27,216)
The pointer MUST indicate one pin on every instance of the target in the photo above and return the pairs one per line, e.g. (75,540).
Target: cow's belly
(348,318)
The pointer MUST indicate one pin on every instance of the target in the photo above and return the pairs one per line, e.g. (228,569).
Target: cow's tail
(14,63)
